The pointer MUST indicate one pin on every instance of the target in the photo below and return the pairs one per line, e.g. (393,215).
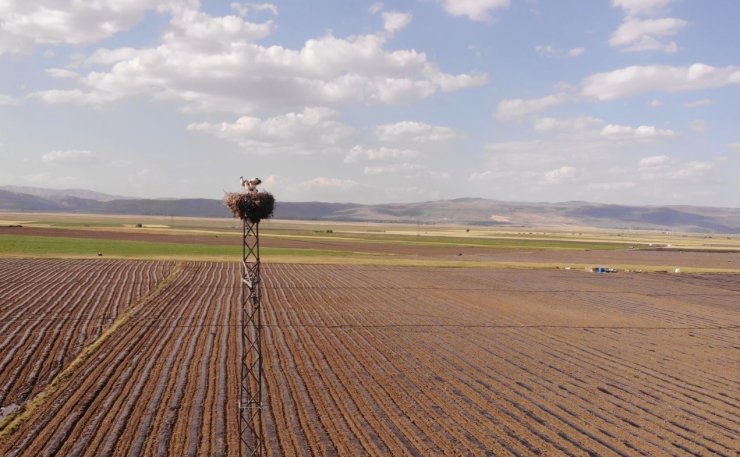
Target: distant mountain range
(55,193)
(462,211)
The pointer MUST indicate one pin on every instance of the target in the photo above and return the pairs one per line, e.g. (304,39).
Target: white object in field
(8,410)
(250,185)
(678,270)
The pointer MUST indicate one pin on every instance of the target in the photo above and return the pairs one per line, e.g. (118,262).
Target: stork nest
(250,206)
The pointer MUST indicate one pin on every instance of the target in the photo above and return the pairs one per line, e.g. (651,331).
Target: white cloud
(551,124)
(662,168)
(523,164)
(576,149)
(655,103)
(546,50)
(312,130)
(652,162)
(393,22)
(643,132)
(197,32)
(38,177)
(476,10)
(699,125)
(622,185)
(75,156)
(637,33)
(270,181)
(641,7)
(48,179)
(560,175)
(698,103)
(50,22)
(142,176)
(7,100)
(392,168)
(375,8)
(517,108)
(105,56)
(324,183)
(240,9)
(417,132)
(588,158)
(214,64)
(62,73)
(359,153)
(264,7)
(645,34)
(244,9)
(579,156)
(482,176)
(692,171)
(59,96)
(637,80)
(588,166)
(734,146)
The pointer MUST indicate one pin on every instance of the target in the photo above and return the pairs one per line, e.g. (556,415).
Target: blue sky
(621,101)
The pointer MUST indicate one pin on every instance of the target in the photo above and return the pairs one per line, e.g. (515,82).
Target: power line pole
(252,441)
(251,206)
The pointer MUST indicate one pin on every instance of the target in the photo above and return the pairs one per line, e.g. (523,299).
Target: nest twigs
(253,206)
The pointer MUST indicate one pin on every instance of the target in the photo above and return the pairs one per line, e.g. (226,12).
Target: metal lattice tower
(252,441)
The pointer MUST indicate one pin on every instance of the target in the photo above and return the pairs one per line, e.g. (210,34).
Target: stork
(250,185)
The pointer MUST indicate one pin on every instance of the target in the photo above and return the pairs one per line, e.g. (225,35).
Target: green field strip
(47,246)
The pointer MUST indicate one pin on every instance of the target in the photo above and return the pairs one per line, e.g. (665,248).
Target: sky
(612,101)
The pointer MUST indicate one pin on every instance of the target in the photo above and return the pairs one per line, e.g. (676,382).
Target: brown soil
(51,309)
(159,386)
(414,361)
(684,259)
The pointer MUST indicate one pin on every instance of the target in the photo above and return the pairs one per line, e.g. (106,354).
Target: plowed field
(50,310)
(413,361)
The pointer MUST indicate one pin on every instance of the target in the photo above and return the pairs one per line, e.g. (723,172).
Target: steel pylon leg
(252,441)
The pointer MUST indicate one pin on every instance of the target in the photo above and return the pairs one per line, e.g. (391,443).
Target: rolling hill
(462,211)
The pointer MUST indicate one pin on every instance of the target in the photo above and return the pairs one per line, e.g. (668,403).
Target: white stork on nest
(250,185)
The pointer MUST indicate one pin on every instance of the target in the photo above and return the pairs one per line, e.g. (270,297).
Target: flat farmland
(406,361)
(282,243)
(50,310)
